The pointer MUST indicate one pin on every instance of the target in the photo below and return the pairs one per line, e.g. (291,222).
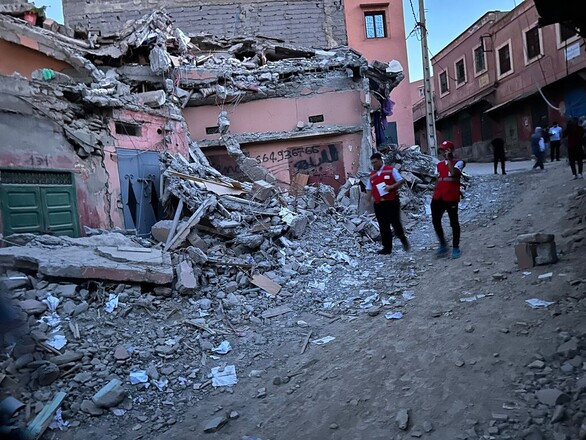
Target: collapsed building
(108,105)
(193,166)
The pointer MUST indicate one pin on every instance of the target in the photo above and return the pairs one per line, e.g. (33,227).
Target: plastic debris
(536,303)
(225,377)
(112,303)
(53,319)
(58,422)
(324,340)
(118,412)
(472,298)
(57,341)
(223,348)
(161,384)
(287,216)
(408,295)
(394,315)
(138,376)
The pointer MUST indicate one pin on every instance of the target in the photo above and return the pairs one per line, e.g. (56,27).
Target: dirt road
(461,360)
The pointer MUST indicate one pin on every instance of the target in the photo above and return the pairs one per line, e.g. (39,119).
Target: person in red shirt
(446,197)
(382,185)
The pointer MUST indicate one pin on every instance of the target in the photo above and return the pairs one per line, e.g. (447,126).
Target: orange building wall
(24,60)
(393,47)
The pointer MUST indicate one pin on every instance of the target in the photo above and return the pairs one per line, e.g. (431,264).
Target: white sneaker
(581,176)
(575,177)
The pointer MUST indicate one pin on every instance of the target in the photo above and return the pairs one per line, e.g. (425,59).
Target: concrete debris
(535,249)
(84,258)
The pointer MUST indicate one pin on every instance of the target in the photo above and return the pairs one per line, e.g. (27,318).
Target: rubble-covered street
(332,341)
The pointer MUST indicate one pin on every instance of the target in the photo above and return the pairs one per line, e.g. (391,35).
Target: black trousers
(388,213)
(576,156)
(539,157)
(499,156)
(555,150)
(438,207)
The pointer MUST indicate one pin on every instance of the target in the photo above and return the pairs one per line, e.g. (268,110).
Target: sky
(445,19)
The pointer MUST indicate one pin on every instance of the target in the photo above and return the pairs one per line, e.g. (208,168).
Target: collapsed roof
(151,49)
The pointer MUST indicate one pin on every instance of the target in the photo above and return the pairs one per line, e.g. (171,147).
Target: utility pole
(429,105)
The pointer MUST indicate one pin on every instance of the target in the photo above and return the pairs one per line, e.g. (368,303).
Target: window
(504,61)
(532,44)
(443,83)
(566,33)
(460,69)
(479,60)
(375,24)
(127,129)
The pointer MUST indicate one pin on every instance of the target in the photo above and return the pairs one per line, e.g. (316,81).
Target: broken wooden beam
(40,423)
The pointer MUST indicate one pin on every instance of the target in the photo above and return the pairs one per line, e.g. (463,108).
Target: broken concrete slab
(83,262)
(186,280)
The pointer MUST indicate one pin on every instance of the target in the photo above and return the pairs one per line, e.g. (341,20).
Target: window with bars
(460,72)
(504,57)
(532,43)
(443,80)
(375,24)
(479,60)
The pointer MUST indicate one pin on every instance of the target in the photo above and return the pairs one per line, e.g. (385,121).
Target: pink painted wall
(152,133)
(26,58)
(278,114)
(338,156)
(45,148)
(393,46)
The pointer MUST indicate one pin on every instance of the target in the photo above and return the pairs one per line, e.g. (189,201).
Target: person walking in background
(575,136)
(555,139)
(382,185)
(446,197)
(498,151)
(538,148)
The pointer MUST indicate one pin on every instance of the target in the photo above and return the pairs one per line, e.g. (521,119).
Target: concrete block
(262,190)
(196,241)
(160,230)
(186,280)
(535,238)
(545,253)
(525,257)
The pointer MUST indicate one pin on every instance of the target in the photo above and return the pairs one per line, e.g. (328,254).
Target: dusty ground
(460,368)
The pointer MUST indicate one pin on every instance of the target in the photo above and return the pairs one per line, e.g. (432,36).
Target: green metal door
(38,202)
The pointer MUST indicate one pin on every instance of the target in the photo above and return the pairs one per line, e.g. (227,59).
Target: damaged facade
(97,123)
(374,29)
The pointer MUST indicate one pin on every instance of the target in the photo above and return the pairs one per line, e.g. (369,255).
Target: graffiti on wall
(323,163)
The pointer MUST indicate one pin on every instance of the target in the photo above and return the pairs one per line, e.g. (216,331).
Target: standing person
(383,184)
(555,138)
(538,148)
(446,197)
(575,134)
(498,151)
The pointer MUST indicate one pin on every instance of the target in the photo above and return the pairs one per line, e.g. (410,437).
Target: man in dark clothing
(575,134)
(498,151)
(538,148)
